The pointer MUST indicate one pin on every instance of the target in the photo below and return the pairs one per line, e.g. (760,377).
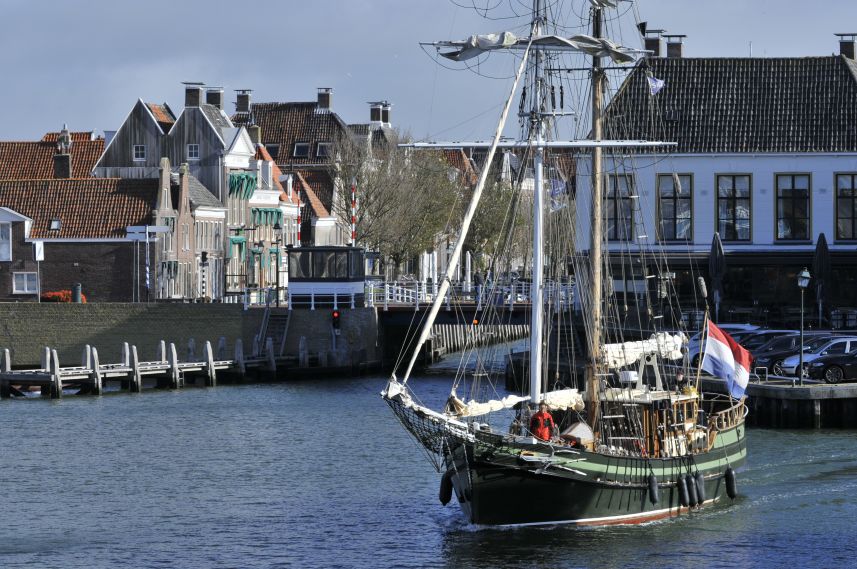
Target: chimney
(385,113)
(242,103)
(255,132)
(289,185)
(164,181)
(214,96)
(62,158)
(325,94)
(846,44)
(376,114)
(184,191)
(674,43)
(652,42)
(192,94)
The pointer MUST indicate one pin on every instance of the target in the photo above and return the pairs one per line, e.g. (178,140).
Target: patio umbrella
(821,273)
(716,271)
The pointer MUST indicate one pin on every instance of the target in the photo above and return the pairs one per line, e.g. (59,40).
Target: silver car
(841,345)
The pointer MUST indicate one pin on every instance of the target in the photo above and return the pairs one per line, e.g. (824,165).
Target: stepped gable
(35,160)
(287,123)
(89,208)
(741,105)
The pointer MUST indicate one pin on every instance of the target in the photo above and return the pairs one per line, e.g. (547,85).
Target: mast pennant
(479,44)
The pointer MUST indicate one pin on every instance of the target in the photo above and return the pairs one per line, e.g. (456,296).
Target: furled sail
(479,44)
(666,345)
(563,399)
(559,400)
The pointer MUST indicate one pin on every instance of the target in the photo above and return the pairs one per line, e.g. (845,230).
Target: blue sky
(86,62)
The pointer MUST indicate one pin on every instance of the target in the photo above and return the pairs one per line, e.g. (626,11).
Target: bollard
(76,294)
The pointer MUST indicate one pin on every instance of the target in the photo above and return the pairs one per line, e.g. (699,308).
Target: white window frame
(326,146)
(26,275)
(142,157)
(304,154)
(193,151)
(6,246)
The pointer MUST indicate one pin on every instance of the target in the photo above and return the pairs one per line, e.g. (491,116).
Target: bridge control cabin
(326,276)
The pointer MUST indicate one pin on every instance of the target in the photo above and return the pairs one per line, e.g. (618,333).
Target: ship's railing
(412,293)
(727,418)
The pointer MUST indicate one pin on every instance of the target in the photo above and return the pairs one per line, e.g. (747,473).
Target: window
(56,224)
(322,150)
(793,206)
(193,151)
(846,206)
(733,207)
(5,241)
(273,150)
(617,210)
(675,201)
(139,152)
(301,150)
(25,283)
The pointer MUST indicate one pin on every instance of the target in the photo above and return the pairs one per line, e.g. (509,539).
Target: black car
(759,338)
(773,359)
(834,368)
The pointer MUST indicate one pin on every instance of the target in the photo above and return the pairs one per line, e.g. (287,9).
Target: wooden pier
(168,370)
(782,403)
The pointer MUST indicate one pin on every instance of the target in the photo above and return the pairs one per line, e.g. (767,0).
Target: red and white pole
(353,212)
(298,195)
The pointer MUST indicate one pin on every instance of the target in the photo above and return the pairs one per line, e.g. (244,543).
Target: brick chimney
(192,94)
(385,113)
(674,45)
(214,96)
(652,42)
(325,98)
(847,44)
(376,114)
(242,103)
(62,158)
(165,202)
(255,132)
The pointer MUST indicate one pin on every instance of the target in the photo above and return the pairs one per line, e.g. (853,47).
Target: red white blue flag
(724,358)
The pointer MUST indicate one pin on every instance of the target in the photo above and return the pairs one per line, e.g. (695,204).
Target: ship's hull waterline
(594,489)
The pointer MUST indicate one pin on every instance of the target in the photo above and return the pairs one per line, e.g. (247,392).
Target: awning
(238,241)
(266,216)
(242,185)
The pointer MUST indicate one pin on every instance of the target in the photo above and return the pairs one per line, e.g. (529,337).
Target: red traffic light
(336,314)
(335,319)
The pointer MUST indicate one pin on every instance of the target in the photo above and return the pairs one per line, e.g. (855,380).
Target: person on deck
(542,424)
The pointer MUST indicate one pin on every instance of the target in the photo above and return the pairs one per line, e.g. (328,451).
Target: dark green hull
(495,487)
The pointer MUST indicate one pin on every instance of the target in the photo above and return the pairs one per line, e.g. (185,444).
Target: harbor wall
(357,342)
(25,328)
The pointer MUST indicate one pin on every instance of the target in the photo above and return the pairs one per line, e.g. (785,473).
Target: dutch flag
(724,358)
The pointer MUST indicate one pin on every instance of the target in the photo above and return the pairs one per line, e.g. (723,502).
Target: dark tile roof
(35,160)
(87,208)
(79,136)
(287,123)
(218,118)
(321,185)
(163,115)
(311,202)
(802,104)
(199,195)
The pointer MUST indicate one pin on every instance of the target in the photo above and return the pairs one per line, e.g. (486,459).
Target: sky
(86,62)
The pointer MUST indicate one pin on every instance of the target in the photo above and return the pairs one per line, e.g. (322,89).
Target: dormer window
(193,151)
(322,150)
(56,224)
(139,152)
(301,150)
(273,150)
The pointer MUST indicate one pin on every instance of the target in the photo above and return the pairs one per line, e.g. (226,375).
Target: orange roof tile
(81,136)
(312,202)
(35,160)
(87,208)
(163,115)
(263,154)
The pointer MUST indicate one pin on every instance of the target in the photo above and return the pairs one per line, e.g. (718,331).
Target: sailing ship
(634,446)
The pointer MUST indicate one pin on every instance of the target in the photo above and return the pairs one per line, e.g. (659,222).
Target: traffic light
(335,320)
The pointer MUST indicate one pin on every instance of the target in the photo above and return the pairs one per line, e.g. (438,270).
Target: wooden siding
(193,128)
(139,128)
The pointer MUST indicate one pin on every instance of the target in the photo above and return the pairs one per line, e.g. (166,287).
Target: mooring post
(175,378)
(56,380)
(95,374)
(126,354)
(221,348)
(135,383)
(239,357)
(191,350)
(162,351)
(272,359)
(87,357)
(211,379)
(46,359)
(256,348)
(7,360)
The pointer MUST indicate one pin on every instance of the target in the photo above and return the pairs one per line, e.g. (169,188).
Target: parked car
(834,368)
(836,345)
(772,354)
(754,340)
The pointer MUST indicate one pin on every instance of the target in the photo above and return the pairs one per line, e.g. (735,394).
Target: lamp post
(802,282)
(277,242)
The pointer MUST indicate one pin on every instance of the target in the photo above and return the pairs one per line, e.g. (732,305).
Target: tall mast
(595,254)
(536,292)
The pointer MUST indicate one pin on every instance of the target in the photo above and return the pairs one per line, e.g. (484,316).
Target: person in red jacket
(542,424)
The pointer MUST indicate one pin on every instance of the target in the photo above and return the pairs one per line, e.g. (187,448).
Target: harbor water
(320,474)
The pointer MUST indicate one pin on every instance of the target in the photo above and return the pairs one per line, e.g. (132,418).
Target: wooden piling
(136,384)
(221,348)
(239,358)
(270,356)
(211,377)
(175,378)
(191,351)
(95,374)
(56,380)
(162,351)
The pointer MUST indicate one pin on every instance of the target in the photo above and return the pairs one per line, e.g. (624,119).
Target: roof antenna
(751,48)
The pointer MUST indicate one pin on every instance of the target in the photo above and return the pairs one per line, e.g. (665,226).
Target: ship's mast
(536,292)
(595,254)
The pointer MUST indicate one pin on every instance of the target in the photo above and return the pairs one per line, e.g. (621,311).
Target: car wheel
(777,368)
(833,374)
(804,371)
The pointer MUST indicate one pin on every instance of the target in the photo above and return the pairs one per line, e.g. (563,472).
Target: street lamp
(802,282)
(277,241)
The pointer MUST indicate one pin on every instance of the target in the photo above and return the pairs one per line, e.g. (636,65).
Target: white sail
(560,400)
(478,44)
(664,344)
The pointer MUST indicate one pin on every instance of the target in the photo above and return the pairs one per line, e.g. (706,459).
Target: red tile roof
(312,204)
(81,136)
(35,160)
(458,160)
(163,115)
(263,154)
(288,123)
(87,208)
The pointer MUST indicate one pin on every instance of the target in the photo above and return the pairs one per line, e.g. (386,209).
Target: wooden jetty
(168,370)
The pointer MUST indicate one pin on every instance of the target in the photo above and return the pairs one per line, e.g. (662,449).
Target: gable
(139,127)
